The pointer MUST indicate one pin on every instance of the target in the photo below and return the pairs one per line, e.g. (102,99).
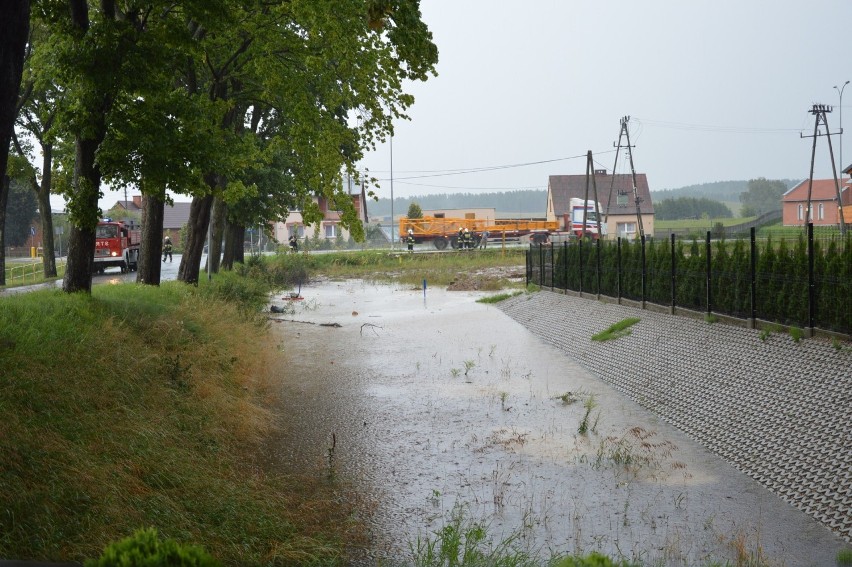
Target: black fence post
(708,251)
(753,277)
(541,265)
(644,273)
(598,273)
(552,266)
(618,269)
(674,275)
(811,284)
(580,256)
(565,263)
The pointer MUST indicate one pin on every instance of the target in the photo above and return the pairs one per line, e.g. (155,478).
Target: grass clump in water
(498,298)
(617,330)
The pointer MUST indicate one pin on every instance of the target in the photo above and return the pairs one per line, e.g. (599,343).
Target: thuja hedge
(781,276)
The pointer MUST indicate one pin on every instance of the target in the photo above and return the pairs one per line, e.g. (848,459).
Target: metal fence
(804,283)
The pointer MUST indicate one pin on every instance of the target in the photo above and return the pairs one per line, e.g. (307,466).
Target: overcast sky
(716,90)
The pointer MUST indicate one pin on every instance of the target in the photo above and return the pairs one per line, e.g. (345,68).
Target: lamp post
(392,238)
(840,91)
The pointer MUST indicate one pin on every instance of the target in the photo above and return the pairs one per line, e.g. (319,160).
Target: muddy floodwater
(430,403)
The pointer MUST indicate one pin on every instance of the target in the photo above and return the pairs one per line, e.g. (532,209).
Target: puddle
(436,401)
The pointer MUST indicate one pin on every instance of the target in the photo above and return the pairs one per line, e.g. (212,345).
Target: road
(110,276)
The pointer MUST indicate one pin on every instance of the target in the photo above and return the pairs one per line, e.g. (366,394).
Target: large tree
(297,75)
(14,27)
(763,195)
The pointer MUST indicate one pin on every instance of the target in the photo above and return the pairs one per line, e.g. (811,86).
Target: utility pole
(590,176)
(636,198)
(820,111)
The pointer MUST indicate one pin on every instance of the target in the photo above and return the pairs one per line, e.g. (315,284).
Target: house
(330,227)
(615,195)
(175,215)
(824,207)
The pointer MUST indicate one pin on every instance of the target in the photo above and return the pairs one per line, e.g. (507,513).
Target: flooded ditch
(428,403)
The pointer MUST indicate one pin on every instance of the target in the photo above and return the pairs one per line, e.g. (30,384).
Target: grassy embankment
(485,269)
(148,406)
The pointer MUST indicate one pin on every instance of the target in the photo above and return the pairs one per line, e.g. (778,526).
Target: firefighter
(468,242)
(167,249)
(294,243)
(460,240)
(410,241)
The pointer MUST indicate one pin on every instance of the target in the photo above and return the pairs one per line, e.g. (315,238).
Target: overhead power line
(712,128)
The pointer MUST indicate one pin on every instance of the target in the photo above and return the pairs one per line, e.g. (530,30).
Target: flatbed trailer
(444,231)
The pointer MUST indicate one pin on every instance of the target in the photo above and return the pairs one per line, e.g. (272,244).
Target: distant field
(698,223)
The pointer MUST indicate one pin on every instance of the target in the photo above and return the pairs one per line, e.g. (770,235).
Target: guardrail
(28,272)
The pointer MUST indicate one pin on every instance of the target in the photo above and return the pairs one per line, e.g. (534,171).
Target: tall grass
(436,268)
(145,406)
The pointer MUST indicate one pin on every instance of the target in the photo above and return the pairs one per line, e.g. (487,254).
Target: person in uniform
(167,249)
(410,241)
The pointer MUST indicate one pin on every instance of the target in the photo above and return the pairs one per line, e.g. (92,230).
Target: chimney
(137,200)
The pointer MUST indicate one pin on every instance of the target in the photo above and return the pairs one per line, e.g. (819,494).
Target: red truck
(116,244)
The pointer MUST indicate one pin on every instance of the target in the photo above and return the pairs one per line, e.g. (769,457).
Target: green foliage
(146,549)
(762,196)
(616,330)
(844,557)
(796,334)
(414,211)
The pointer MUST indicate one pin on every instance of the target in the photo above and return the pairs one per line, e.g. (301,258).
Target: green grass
(498,297)
(141,406)
(438,269)
(617,330)
(698,224)
(29,272)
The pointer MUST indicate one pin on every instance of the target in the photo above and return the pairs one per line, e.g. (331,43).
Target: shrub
(145,549)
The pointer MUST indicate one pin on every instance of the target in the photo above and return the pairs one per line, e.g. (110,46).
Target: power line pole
(819,111)
(636,198)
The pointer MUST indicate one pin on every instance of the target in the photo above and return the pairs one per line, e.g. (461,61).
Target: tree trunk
(43,196)
(5,182)
(150,258)
(217,230)
(81,239)
(228,252)
(196,233)
(235,237)
(14,28)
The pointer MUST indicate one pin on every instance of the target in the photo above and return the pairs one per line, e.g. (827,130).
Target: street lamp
(840,91)
(391,180)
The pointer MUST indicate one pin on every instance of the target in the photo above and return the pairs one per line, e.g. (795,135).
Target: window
(106,231)
(821,211)
(801,213)
(627,229)
(330,230)
(621,199)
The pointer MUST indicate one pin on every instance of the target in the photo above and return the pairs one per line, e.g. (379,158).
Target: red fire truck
(116,244)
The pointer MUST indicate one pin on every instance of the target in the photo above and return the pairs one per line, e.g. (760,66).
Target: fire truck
(116,245)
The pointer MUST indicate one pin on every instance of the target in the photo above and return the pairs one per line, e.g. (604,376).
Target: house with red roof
(825,208)
(615,195)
